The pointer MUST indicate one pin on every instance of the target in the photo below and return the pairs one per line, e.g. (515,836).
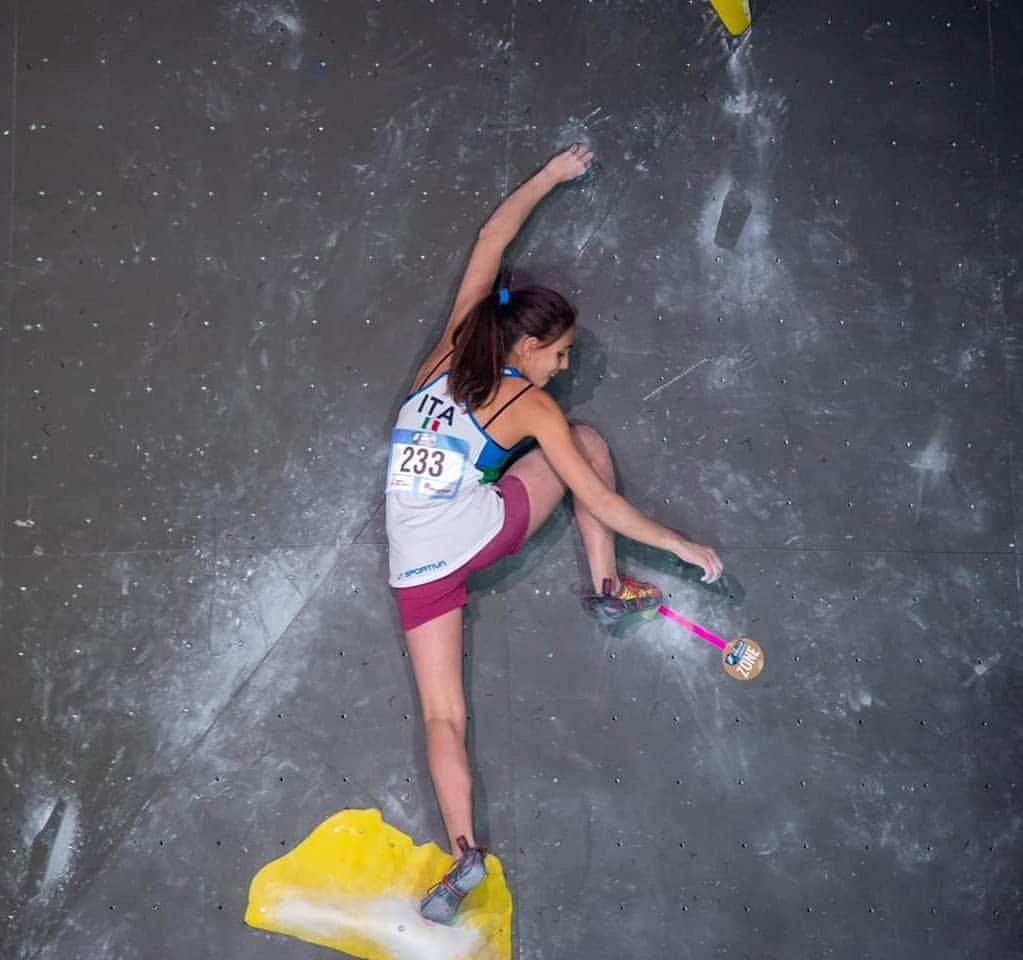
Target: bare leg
(436,652)
(598,539)
(436,647)
(546,491)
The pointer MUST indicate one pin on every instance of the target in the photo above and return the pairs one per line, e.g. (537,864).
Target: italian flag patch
(429,424)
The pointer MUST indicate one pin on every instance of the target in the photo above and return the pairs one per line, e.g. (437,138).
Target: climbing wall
(233,230)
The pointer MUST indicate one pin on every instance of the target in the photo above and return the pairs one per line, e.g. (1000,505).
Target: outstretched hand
(703,557)
(570,163)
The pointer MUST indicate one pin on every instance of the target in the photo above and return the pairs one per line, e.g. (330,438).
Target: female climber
(452,511)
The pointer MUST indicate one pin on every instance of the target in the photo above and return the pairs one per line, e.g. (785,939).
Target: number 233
(417,460)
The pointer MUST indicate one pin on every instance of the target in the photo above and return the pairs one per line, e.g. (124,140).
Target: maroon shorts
(427,601)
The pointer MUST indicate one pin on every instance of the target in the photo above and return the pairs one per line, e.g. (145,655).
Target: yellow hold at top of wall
(734,14)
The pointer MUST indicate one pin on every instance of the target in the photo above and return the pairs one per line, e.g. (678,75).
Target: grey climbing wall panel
(234,228)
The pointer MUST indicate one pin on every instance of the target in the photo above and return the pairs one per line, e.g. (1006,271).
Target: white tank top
(441,505)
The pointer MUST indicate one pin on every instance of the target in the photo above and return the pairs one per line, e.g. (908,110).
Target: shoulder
(540,401)
(537,412)
(436,363)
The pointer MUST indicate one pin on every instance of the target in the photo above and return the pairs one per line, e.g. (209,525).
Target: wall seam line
(5,330)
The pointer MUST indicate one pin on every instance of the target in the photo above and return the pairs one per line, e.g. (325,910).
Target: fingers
(574,161)
(705,558)
(580,153)
(712,566)
(583,156)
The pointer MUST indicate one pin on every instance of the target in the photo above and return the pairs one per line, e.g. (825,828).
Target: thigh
(543,485)
(435,649)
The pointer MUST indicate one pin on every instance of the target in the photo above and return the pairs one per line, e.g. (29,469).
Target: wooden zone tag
(743,659)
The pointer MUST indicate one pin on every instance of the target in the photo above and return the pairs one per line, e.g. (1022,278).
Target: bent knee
(589,440)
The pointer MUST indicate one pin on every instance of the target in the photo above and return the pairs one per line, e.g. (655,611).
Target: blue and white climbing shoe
(442,901)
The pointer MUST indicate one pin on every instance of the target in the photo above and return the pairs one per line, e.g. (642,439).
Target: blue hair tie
(503,296)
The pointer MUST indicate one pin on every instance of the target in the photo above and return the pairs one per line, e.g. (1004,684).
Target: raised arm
(552,431)
(502,226)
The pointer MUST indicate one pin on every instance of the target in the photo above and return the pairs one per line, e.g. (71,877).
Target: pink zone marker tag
(713,639)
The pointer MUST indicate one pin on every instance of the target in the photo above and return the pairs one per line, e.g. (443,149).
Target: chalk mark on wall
(673,380)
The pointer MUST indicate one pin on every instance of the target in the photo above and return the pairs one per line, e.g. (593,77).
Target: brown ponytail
(492,328)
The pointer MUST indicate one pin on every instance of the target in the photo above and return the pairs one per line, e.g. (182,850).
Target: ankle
(456,847)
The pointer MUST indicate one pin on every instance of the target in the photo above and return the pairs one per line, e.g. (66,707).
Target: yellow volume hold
(354,885)
(734,15)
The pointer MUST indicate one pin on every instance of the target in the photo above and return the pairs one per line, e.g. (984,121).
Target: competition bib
(426,464)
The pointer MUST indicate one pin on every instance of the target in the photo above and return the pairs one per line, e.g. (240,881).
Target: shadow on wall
(580,382)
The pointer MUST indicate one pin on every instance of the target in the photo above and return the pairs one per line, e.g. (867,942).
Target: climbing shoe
(442,901)
(633,598)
